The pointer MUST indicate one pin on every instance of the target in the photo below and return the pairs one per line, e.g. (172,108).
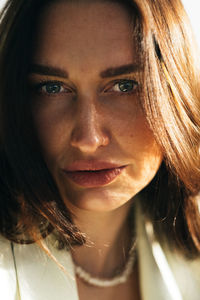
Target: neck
(109,237)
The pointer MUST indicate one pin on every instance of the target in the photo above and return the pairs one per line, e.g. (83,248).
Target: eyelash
(38,87)
(125,80)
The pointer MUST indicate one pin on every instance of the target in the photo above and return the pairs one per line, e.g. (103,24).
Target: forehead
(84,33)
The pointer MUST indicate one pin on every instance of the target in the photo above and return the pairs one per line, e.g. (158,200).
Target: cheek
(136,141)
(130,127)
(143,146)
(145,153)
(52,126)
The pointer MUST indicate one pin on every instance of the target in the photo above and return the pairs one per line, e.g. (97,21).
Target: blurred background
(193,10)
(192,7)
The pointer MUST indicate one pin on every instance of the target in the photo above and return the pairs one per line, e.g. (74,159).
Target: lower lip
(94,178)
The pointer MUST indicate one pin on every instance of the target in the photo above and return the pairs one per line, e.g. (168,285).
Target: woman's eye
(51,88)
(124,86)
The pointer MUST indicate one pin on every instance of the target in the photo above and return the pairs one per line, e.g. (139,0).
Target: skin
(90,118)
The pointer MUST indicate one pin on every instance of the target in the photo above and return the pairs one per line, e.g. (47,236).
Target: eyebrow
(48,70)
(121,70)
(110,72)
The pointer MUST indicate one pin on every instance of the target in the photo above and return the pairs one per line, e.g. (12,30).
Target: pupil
(126,86)
(52,88)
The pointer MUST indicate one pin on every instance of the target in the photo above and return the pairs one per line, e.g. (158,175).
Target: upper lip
(91,165)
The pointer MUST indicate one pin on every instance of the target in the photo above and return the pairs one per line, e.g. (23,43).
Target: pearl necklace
(108,282)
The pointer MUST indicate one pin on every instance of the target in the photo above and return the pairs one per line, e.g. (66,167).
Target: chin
(98,200)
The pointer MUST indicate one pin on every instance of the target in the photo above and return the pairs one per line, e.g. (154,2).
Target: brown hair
(30,202)
(171,101)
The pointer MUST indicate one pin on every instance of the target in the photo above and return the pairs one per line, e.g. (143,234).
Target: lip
(93,173)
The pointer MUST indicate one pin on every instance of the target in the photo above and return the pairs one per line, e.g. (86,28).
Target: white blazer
(27,273)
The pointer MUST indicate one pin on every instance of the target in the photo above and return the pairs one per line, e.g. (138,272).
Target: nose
(89,132)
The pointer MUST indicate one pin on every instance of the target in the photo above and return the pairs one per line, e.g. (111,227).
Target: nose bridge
(88,116)
(88,133)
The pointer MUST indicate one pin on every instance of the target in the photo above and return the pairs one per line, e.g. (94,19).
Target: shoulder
(186,272)
(164,272)
(45,273)
(8,282)
(27,272)
(6,254)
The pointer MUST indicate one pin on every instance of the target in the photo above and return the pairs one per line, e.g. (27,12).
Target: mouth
(93,176)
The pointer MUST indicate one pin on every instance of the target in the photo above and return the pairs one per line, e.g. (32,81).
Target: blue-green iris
(126,86)
(52,88)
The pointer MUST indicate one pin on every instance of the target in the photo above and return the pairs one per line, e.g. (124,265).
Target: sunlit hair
(30,204)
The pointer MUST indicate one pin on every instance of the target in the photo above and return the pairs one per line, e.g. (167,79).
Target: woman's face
(94,136)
